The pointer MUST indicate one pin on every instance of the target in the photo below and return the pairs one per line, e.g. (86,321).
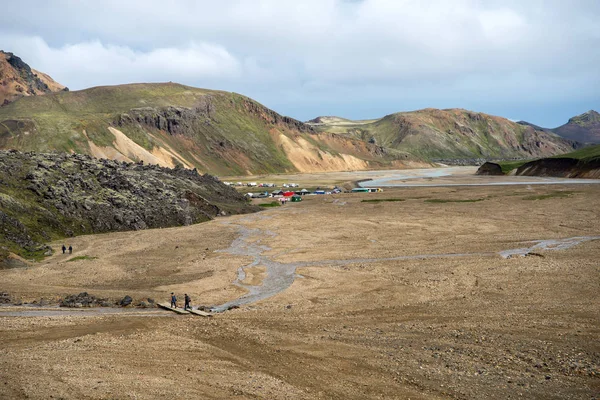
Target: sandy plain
(468,324)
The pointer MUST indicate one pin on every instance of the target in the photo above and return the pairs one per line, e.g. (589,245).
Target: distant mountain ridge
(451,133)
(176,125)
(17,79)
(583,128)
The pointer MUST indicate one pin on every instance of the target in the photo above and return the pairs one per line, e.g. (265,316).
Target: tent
(296,198)
(288,194)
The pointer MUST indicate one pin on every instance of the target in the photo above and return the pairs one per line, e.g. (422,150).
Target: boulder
(5,298)
(490,168)
(125,301)
(82,299)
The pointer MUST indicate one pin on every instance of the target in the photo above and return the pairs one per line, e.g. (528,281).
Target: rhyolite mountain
(48,196)
(17,79)
(171,124)
(583,128)
(450,134)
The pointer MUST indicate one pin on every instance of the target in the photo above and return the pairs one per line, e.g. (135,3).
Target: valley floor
(467,325)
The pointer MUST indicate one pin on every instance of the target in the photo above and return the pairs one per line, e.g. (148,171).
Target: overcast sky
(537,60)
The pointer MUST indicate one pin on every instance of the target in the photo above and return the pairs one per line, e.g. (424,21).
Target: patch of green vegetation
(561,194)
(379,200)
(78,258)
(452,201)
(271,204)
(586,154)
(508,166)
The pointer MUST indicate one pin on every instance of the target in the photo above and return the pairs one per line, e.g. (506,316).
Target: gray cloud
(360,58)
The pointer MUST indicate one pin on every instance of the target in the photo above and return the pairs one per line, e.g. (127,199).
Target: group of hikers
(187,300)
(64,249)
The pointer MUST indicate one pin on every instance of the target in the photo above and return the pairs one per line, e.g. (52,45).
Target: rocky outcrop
(173,120)
(18,79)
(184,121)
(489,168)
(44,196)
(274,118)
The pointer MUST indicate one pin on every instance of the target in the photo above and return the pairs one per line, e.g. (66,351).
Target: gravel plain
(470,326)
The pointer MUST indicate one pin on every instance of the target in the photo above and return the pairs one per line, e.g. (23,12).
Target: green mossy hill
(452,134)
(167,124)
(44,197)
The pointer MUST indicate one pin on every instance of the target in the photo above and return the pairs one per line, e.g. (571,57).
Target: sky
(535,60)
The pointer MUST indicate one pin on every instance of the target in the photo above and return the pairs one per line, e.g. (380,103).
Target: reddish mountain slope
(17,79)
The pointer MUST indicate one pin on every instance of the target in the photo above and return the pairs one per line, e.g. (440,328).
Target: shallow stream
(281,275)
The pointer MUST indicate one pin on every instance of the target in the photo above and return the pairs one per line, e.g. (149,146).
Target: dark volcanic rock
(125,301)
(5,298)
(69,194)
(17,79)
(489,168)
(30,78)
(81,300)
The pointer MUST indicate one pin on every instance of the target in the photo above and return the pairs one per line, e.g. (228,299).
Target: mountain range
(225,133)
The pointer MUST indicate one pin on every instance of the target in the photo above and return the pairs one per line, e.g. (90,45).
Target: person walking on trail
(64,249)
(187,302)
(70,249)
(173,300)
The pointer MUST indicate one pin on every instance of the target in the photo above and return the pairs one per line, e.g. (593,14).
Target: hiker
(64,249)
(70,249)
(187,302)
(173,300)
